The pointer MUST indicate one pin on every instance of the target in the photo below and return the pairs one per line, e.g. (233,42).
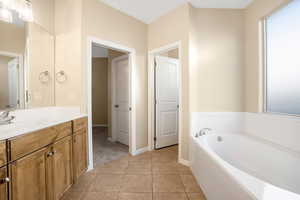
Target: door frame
(151,93)
(132,101)
(113,96)
(22,78)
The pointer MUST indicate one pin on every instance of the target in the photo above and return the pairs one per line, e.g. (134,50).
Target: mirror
(27,55)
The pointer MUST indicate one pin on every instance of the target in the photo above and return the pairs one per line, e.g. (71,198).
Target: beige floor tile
(184,170)
(139,168)
(114,167)
(136,183)
(100,196)
(84,182)
(167,183)
(164,157)
(196,196)
(169,196)
(135,196)
(145,157)
(165,168)
(73,195)
(106,183)
(190,184)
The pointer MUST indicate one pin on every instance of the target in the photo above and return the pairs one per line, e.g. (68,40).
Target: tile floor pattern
(153,175)
(104,150)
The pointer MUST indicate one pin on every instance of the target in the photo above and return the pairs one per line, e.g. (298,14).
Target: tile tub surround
(282,130)
(153,175)
(30,120)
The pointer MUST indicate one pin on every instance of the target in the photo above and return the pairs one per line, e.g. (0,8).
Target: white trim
(22,78)
(100,125)
(132,69)
(140,151)
(184,162)
(151,55)
(113,95)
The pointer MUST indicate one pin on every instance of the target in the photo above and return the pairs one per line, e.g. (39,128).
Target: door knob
(116,106)
(4,180)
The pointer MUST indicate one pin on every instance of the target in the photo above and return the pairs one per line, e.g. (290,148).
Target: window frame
(264,63)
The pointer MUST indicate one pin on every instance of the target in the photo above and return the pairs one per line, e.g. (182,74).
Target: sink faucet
(203,132)
(5,118)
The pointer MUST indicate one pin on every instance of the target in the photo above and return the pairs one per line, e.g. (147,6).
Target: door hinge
(155,139)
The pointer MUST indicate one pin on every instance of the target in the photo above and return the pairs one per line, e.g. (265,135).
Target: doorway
(110,102)
(164,99)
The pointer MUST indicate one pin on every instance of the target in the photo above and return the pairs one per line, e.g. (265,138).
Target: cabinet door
(62,167)
(79,153)
(3,184)
(29,176)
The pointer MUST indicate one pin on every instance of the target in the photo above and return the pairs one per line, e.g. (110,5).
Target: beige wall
(68,52)
(100,91)
(217,60)
(106,23)
(253,69)
(12,38)
(41,39)
(168,29)
(4,92)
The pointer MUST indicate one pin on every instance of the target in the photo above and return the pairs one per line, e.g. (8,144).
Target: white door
(167,101)
(13,82)
(121,106)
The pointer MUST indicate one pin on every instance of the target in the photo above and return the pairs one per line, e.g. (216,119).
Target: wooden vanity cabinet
(62,167)
(43,165)
(3,158)
(3,183)
(80,156)
(29,176)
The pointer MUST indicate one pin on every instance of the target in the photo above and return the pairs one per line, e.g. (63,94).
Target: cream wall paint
(168,29)
(100,91)
(12,38)
(40,35)
(253,56)
(106,23)
(216,60)
(68,52)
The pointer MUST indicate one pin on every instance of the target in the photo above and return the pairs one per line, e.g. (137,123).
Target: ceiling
(149,10)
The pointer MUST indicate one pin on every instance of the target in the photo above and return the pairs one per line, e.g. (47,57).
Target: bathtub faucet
(203,132)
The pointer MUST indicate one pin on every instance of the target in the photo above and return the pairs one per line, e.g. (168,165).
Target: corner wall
(253,56)
(169,29)
(106,23)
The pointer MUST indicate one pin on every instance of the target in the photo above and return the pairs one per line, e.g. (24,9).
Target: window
(282,59)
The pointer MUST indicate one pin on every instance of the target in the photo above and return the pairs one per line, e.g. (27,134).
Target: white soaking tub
(240,167)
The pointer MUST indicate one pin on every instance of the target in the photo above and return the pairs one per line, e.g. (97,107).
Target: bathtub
(241,167)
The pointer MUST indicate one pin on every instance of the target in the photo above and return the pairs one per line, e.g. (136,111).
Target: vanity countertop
(30,120)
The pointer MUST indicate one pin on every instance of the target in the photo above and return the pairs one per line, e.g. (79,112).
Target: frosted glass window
(283,60)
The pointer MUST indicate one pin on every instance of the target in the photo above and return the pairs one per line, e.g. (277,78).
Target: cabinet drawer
(3,159)
(79,124)
(23,145)
(64,130)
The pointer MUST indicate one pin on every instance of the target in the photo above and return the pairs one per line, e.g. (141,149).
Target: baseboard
(100,125)
(140,151)
(184,162)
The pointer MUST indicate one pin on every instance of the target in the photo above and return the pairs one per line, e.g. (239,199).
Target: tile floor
(104,150)
(153,175)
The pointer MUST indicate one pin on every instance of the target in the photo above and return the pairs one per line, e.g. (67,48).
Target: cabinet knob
(4,180)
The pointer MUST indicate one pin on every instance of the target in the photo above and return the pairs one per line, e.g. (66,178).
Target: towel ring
(44,77)
(61,76)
